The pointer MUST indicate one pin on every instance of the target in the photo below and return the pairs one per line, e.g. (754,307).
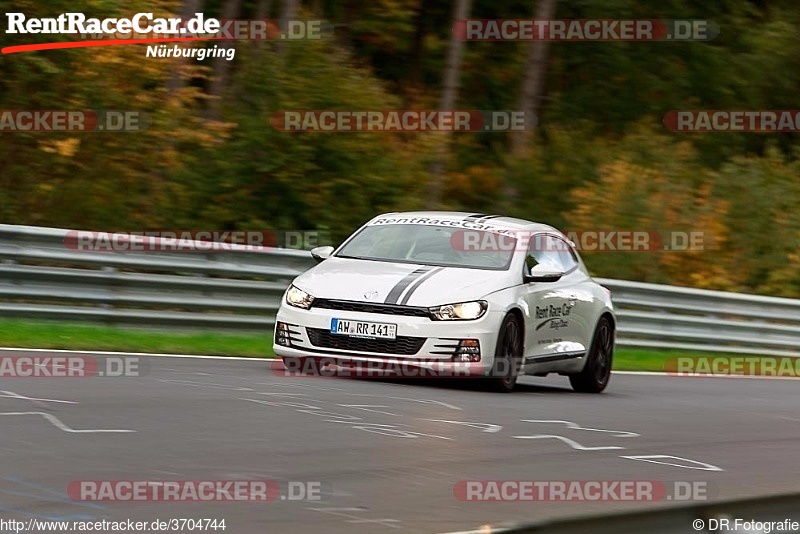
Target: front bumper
(421,342)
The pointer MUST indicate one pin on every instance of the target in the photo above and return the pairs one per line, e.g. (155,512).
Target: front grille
(365,307)
(402,345)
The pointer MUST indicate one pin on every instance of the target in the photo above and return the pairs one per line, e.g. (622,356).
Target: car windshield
(431,245)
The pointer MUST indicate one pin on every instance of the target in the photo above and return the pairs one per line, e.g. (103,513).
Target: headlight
(298,298)
(462,311)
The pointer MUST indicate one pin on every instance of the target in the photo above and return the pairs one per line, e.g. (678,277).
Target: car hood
(399,283)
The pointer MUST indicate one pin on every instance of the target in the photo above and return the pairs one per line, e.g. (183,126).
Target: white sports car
(500,295)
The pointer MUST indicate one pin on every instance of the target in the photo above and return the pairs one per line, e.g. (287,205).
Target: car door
(581,297)
(555,308)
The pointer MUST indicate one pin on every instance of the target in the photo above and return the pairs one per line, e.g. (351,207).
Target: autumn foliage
(599,159)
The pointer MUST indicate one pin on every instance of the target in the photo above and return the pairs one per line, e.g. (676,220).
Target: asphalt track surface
(387,453)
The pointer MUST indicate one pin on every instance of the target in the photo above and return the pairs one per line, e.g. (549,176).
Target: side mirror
(321,253)
(543,273)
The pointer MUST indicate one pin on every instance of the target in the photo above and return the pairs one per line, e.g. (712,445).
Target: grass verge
(57,335)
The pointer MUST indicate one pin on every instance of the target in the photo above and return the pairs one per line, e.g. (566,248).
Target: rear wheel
(507,356)
(597,371)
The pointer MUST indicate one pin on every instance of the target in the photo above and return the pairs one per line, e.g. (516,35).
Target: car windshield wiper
(355,257)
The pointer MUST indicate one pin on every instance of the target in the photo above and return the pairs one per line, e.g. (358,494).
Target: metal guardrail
(40,277)
(659,316)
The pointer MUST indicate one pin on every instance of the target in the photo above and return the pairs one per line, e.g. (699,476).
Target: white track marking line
(386,430)
(574,444)
(282,404)
(208,385)
(304,386)
(283,394)
(56,422)
(653,460)
(368,408)
(354,518)
(424,401)
(12,395)
(487,427)
(395,433)
(576,426)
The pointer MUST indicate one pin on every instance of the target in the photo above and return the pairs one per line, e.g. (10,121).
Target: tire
(597,372)
(507,356)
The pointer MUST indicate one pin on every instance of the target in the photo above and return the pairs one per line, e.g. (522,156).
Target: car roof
(485,218)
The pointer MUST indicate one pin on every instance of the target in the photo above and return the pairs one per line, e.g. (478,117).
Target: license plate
(348,327)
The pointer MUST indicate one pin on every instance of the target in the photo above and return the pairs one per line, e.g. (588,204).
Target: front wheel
(597,371)
(507,355)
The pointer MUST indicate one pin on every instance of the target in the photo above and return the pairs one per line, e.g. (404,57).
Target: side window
(551,251)
(542,250)
(566,255)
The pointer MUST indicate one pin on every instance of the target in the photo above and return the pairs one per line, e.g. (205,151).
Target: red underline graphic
(101,42)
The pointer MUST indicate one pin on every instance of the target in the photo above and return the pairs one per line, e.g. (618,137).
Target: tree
(461,9)
(176,79)
(533,84)
(230,10)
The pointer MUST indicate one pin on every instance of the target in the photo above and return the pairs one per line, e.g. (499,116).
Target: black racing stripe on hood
(481,217)
(398,289)
(419,282)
